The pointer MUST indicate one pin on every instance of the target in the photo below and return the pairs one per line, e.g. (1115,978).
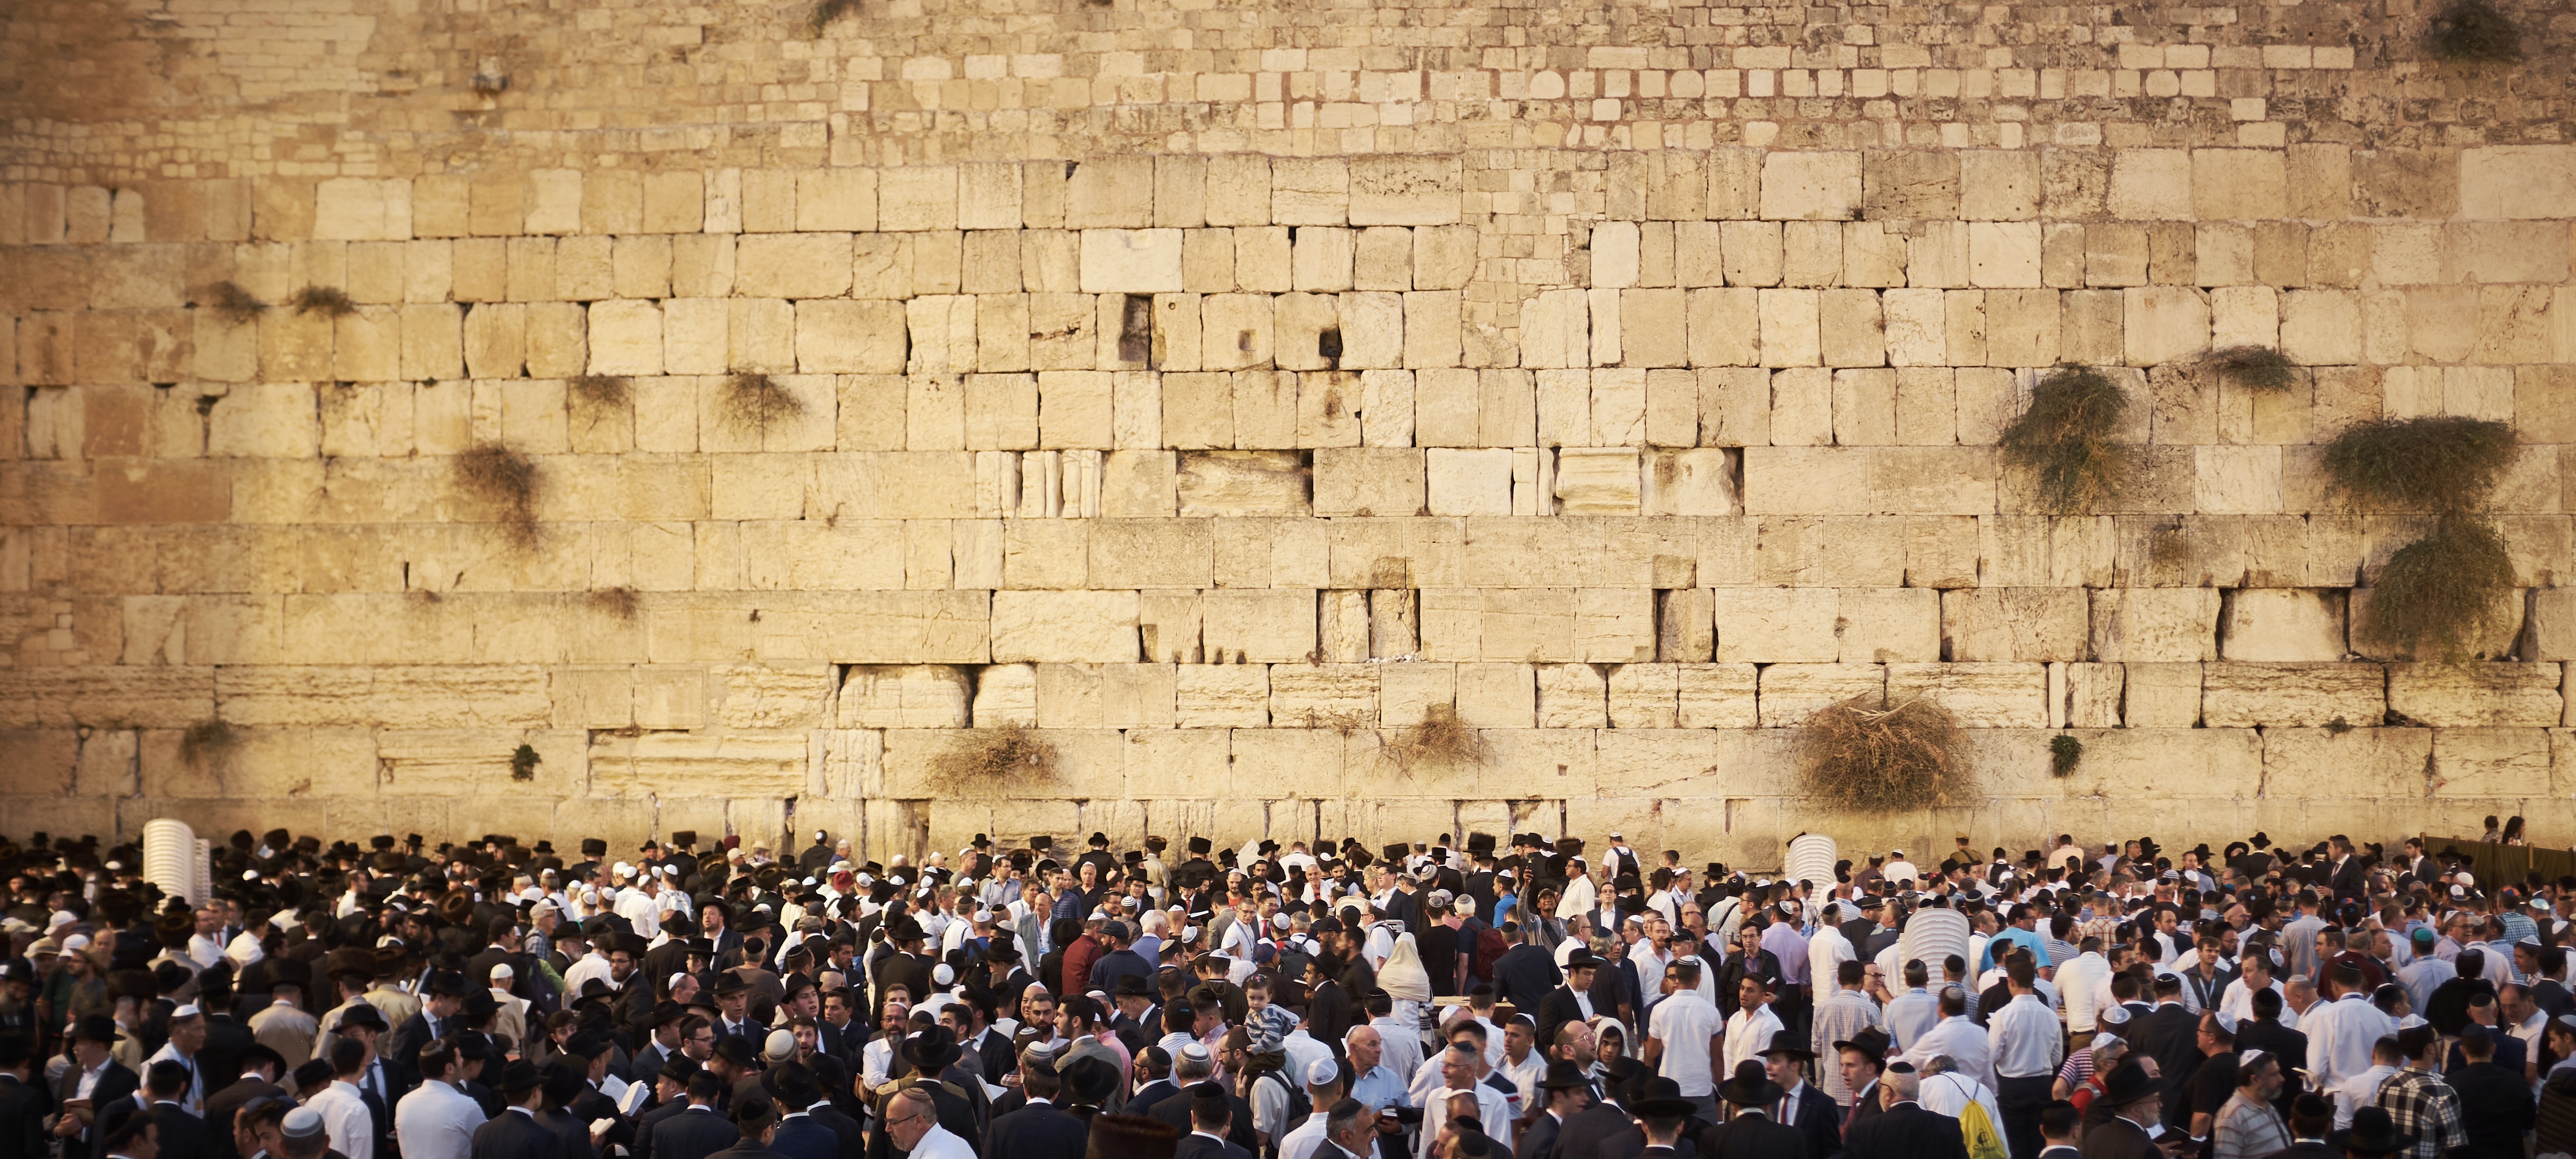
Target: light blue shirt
(1380,1088)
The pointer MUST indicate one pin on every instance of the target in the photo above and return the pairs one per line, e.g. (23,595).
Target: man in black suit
(1752,1133)
(182,1135)
(1567,1090)
(2495,1102)
(808,1110)
(1571,1001)
(226,1037)
(1904,1130)
(1524,975)
(2265,1033)
(443,997)
(1191,1073)
(1863,1058)
(2136,1101)
(1801,1105)
(670,1097)
(1038,1130)
(2171,1036)
(503,951)
(260,1068)
(2311,1117)
(1211,1111)
(22,1105)
(1588,1134)
(515,1133)
(699,1130)
(94,1077)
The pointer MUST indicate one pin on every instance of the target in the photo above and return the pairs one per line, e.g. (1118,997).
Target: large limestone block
(1715,695)
(2292,695)
(2160,765)
(1980,695)
(1886,625)
(431,696)
(1810,186)
(1766,625)
(1614,625)
(2282,624)
(59,696)
(1223,695)
(1336,696)
(2450,695)
(2155,624)
(1597,481)
(359,209)
(2518,182)
(1468,482)
(882,627)
(1258,625)
(1131,261)
(1064,627)
(769,696)
(1369,481)
(842,336)
(1006,694)
(1405,190)
(1497,695)
(2009,623)
(2475,763)
(2151,185)
(1792,692)
(792,265)
(2163,695)
(1572,696)
(904,696)
(1242,483)
(2355,763)
(1644,696)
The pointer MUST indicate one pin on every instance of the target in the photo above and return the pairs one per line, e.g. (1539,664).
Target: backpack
(1984,1141)
(1300,1107)
(1490,946)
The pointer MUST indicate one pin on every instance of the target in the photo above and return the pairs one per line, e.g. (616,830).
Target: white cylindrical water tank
(174,859)
(1811,859)
(1933,935)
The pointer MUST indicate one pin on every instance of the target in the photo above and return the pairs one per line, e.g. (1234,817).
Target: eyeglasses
(891,1122)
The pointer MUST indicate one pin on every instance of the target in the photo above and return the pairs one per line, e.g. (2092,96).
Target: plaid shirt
(1837,1019)
(2427,1108)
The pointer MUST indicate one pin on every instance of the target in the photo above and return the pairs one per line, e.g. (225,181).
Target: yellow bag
(1984,1141)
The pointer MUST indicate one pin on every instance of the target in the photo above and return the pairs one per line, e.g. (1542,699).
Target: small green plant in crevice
(523,763)
(1858,757)
(236,304)
(2063,751)
(506,481)
(328,301)
(827,11)
(2436,597)
(2064,439)
(207,744)
(752,402)
(621,602)
(2433,463)
(2473,32)
(2256,368)
(2338,726)
(607,390)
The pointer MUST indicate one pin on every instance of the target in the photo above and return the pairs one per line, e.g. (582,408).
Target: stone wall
(1217,388)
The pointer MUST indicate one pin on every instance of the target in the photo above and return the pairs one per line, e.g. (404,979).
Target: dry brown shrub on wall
(1440,739)
(993,761)
(2063,438)
(752,402)
(2256,368)
(604,390)
(1858,757)
(506,481)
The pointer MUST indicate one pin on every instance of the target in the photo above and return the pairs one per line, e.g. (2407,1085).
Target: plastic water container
(1811,858)
(175,860)
(1933,935)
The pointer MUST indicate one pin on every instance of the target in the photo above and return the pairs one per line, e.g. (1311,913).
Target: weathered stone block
(1776,624)
(2490,694)
(1810,186)
(1064,626)
(2293,695)
(1979,695)
(1792,692)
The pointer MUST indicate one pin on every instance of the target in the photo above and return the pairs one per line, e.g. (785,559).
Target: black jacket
(1755,1137)
(183,1135)
(1594,1131)
(22,1114)
(1557,1009)
(1524,975)
(1906,1131)
(114,1082)
(1818,1121)
(2120,1139)
(1175,1111)
(511,1135)
(693,1134)
(2171,1036)
(1195,1146)
(1038,1131)
(1539,1142)
(2495,1107)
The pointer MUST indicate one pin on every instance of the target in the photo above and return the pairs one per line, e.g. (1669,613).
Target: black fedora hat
(932,1049)
(1871,1043)
(520,1075)
(1751,1086)
(1663,1100)
(1563,1076)
(2128,1083)
(1088,1080)
(1582,958)
(1789,1043)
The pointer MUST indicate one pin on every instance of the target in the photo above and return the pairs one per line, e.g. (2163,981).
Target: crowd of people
(1490,997)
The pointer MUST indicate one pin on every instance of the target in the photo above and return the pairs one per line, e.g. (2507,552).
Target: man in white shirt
(2361,1089)
(344,1114)
(1685,1037)
(912,1122)
(2025,1044)
(1898,870)
(2237,1001)
(2082,982)
(2341,1031)
(437,1119)
(1958,1037)
(1458,1076)
(1749,1029)
(187,1035)
(1323,1089)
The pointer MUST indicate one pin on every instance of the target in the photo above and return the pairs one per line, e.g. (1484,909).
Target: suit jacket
(1818,1121)
(22,1127)
(1586,1134)
(803,1138)
(573,1130)
(692,1134)
(1524,975)
(223,1105)
(1865,1106)
(183,1135)
(219,1060)
(114,1083)
(650,1119)
(511,1135)
(1539,1142)
(2495,1107)
(1196,1146)
(1557,1009)
(1176,1112)
(2119,1139)
(1906,1131)
(2171,1037)
(1756,1137)
(1039,1131)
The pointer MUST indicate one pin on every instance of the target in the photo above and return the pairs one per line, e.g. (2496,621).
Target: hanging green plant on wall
(2435,598)
(2256,368)
(2063,438)
(2063,752)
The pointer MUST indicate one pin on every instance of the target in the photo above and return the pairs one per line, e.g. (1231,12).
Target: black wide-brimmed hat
(1751,1086)
(2373,1132)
